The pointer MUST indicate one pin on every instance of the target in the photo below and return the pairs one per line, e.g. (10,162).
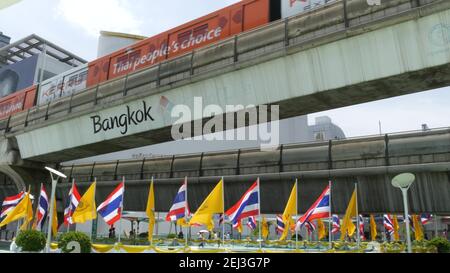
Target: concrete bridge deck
(331,57)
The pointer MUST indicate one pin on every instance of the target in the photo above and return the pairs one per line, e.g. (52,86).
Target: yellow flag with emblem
(55,219)
(418,232)
(347,226)
(322,231)
(213,204)
(86,209)
(289,212)
(373,228)
(396,228)
(150,211)
(264,228)
(23,210)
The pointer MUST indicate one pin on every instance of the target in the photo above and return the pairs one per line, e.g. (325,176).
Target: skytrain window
(200,30)
(182,37)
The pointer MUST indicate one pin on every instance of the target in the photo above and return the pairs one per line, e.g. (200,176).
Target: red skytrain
(216,26)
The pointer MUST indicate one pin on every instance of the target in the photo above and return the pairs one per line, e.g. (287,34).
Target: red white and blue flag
(10,203)
(251,224)
(319,210)
(247,206)
(411,223)
(111,209)
(73,200)
(180,205)
(42,209)
(425,218)
(310,227)
(336,224)
(388,224)
(280,224)
(361,227)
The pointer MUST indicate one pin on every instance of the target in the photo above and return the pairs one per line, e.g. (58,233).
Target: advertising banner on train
(18,76)
(294,7)
(63,85)
(12,105)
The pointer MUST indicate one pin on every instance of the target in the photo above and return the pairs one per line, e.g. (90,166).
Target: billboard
(18,76)
(294,7)
(63,85)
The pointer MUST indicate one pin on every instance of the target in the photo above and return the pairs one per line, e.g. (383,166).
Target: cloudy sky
(75,25)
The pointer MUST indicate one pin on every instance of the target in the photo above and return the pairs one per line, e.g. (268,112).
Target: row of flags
(80,209)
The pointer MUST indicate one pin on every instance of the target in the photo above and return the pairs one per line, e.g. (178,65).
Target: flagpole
(151,235)
(223,212)
(259,212)
(296,214)
(92,221)
(121,211)
(330,219)
(186,211)
(357,218)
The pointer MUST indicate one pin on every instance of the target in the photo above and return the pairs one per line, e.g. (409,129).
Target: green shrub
(171,236)
(81,238)
(31,240)
(442,244)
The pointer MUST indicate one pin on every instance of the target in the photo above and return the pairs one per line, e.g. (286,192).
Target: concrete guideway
(399,53)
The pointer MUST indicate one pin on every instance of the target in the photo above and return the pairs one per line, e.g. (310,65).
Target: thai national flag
(336,224)
(425,218)
(180,206)
(42,209)
(388,224)
(73,200)
(280,224)
(10,203)
(319,210)
(251,223)
(411,223)
(111,209)
(310,227)
(361,227)
(247,206)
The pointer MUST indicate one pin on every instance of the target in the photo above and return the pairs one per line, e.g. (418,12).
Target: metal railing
(271,41)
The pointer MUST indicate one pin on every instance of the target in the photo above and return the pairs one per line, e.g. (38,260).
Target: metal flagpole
(121,210)
(330,220)
(357,218)
(186,211)
(223,212)
(92,221)
(296,214)
(151,241)
(259,212)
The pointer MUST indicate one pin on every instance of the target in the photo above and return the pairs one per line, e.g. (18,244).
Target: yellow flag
(289,212)
(373,228)
(213,204)
(396,228)
(347,226)
(264,228)
(55,219)
(86,209)
(7,3)
(150,211)
(418,228)
(23,210)
(239,227)
(322,231)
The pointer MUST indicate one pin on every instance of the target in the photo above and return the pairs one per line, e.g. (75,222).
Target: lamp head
(403,181)
(56,172)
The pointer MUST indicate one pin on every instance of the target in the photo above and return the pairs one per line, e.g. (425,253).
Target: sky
(75,26)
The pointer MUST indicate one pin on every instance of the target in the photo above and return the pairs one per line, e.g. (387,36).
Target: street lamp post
(52,203)
(404,182)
